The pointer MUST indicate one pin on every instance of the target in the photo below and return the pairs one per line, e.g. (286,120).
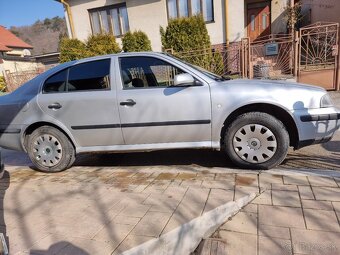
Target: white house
(227,20)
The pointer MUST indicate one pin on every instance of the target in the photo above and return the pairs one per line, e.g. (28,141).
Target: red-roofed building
(11,44)
(15,55)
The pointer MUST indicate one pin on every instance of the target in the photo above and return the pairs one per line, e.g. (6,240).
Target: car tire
(256,140)
(50,150)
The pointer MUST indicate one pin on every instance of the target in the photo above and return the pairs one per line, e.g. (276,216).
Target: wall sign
(272,49)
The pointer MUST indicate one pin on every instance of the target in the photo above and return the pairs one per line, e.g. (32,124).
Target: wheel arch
(36,125)
(278,112)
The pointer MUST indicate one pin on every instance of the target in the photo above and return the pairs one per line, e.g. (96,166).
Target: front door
(258,20)
(153,111)
(81,99)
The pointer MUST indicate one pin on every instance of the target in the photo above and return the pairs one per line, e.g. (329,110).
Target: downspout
(226,9)
(69,16)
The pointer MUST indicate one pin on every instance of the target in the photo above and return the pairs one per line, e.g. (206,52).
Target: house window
(110,19)
(186,8)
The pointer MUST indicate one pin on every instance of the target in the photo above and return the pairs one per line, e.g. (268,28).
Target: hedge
(188,39)
(136,41)
(100,44)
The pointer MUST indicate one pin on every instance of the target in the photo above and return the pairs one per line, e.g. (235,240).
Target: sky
(26,12)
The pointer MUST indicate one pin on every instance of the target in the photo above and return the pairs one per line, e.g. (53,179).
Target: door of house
(258,20)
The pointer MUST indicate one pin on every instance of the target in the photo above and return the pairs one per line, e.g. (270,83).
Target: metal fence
(16,79)
(310,56)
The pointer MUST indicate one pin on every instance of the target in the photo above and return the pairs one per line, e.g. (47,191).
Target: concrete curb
(305,172)
(185,239)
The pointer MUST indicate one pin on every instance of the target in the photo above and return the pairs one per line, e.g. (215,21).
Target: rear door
(83,98)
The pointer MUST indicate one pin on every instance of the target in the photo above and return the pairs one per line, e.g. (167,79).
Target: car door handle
(128,102)
(54,106)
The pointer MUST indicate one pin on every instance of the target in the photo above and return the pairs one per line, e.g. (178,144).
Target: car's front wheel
(50,150)
(256,140)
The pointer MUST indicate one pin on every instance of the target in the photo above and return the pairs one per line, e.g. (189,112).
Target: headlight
(326,101)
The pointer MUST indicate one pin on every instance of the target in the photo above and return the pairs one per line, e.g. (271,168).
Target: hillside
(43,35)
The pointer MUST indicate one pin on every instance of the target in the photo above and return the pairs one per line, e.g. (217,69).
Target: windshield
(198,68)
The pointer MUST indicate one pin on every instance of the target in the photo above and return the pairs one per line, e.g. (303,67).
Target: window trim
(67,75)
(190,10)
(108,9)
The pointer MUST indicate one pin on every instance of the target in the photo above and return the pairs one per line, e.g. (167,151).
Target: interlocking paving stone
(306,192)
(286,187)
(241,191)
(243,222)
(151,224)
(295,180)
(316,204)
(269,246)
(218,197)
(321,220)
(329,194)
(135,210)
(250,208)
(322,181)
(130,242)
(265,198)
(315,242)
(246,180)
(281,216)
(337,208)
(218,184)
(272,231)
(286,198)
(239,243)
(126,220)
(113,233)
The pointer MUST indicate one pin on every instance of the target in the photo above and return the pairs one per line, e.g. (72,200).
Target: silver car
(152,101)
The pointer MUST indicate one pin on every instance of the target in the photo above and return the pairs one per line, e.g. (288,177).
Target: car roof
(143,53)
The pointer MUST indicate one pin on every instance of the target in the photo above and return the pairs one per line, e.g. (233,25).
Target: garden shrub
(136,41)
(102,44)
(185,34)
(188,39)
(2,84)
(71,49)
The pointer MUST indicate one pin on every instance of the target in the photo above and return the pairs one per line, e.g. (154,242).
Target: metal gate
(318,55)
(272,57)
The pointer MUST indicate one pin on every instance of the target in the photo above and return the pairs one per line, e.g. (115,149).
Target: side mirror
(184,79)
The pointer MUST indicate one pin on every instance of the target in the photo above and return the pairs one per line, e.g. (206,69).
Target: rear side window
(89,76)
(56,83)
(93,75)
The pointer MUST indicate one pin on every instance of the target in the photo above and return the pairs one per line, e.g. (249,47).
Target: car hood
(268,84)
(291,95)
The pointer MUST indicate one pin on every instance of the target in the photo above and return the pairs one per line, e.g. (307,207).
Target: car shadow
(203,158)
(4,185)
(62,247)
(332,146)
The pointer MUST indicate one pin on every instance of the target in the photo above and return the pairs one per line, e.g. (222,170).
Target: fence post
(296,54)
(337,75)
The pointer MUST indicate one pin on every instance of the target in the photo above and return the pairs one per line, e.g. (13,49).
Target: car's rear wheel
(50,150)
(256,140)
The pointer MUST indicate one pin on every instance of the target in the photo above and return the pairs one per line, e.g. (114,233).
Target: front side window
(110,19)
(88,76)
(185,8)
(146,72)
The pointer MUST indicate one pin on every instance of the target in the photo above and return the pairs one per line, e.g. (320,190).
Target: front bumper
(316,125)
